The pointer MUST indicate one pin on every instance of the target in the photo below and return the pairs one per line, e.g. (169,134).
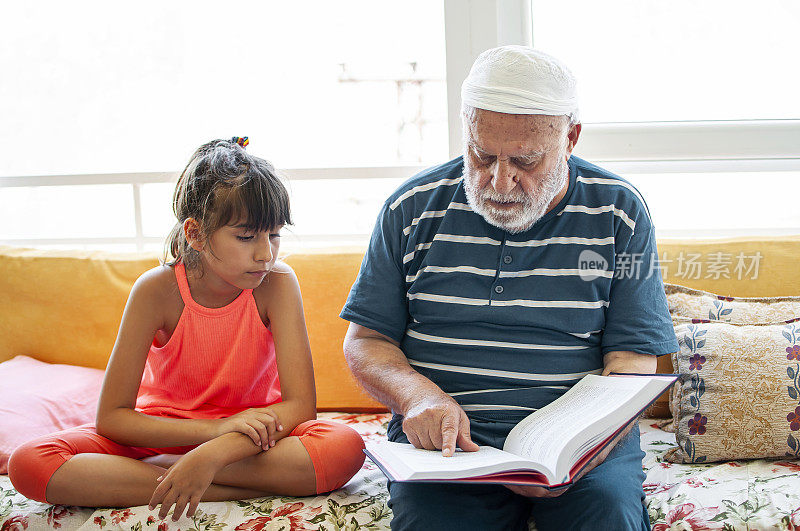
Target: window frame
(137,179)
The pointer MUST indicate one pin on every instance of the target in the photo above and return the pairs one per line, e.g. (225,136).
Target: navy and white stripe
(505,323)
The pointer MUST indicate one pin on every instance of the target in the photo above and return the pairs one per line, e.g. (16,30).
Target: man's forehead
(534,132)
(517,150)
(534,123)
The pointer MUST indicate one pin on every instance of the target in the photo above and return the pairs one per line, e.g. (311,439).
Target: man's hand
(540,492)
(184,484)
(258,423)
(432,419)
(438,422)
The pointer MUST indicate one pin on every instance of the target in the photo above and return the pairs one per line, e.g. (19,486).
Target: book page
(407,462)
(542,435)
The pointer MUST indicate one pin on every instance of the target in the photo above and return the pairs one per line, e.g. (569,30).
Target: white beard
(527,211)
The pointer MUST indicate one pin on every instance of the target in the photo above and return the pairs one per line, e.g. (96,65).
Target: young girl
(211,361)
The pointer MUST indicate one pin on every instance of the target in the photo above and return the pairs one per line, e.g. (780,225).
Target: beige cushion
(740,395)
(697,304)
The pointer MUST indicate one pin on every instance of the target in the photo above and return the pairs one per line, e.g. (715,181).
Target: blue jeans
(610,497)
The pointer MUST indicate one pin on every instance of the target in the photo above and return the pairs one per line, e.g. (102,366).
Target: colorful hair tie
(241,140)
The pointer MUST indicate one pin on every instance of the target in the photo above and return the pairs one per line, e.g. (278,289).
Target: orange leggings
(335,451)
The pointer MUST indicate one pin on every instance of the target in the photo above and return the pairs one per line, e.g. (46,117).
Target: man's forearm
(627,361)
(385,373)
(623,361)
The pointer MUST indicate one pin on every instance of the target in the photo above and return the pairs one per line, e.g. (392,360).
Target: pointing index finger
(449,433)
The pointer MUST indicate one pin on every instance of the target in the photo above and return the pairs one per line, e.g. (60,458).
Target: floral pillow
(696,304)
(739,395)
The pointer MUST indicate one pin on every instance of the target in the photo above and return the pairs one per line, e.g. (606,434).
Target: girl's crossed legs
(80,467)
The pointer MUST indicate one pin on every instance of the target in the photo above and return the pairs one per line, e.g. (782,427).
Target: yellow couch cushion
(777,273)
(325,280)
(65,306)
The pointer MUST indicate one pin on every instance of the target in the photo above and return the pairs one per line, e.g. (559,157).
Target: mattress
(759,494)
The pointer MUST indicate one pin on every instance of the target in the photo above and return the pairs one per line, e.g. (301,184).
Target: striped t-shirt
(505,323)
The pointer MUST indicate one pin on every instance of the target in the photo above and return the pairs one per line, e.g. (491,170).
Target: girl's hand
(184,485)
(258,423)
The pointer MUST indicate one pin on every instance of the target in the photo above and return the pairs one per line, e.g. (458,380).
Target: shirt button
(498,289)
(507,259)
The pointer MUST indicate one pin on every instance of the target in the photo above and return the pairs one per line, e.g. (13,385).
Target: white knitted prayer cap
(520,80)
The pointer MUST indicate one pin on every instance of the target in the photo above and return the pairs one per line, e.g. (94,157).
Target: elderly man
(493,283)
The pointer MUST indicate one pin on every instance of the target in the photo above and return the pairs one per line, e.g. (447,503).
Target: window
(651,60)
(106,88)
(691,101)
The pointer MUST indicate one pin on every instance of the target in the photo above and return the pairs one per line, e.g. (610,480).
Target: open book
(547,448)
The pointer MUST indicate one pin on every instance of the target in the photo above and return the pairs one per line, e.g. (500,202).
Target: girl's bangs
(254,202)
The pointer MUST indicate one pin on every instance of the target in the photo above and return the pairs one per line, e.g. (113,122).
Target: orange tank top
(218,361)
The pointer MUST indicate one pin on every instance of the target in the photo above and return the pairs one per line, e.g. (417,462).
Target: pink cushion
(38,398)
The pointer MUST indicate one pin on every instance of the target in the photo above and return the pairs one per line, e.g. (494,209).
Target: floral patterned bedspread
(738,495)
(759,494)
